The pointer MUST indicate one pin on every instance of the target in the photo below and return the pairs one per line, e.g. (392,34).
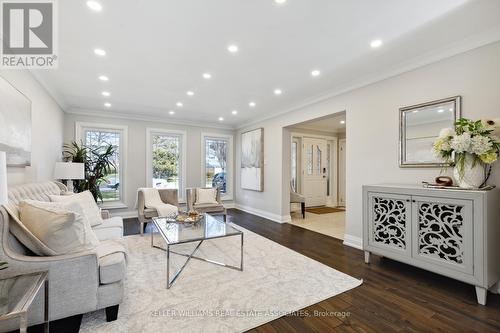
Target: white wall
(135,176)
(47,129)
(372,129)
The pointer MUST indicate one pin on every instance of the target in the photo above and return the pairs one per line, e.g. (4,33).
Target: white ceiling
(157,50)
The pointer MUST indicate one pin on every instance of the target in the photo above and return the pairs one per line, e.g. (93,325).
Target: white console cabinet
(455,233)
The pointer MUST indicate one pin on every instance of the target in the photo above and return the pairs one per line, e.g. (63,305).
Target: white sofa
(79,282)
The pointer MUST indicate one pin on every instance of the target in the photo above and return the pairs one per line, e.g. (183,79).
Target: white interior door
(342,172)
(314,171)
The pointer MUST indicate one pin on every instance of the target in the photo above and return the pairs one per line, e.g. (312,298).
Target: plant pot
(473,176)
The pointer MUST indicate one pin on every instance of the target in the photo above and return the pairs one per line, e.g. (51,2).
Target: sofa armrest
(73,281)
(105,214)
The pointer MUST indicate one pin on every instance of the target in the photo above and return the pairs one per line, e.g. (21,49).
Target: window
(217,163)
(97,137)
(166,159)
(309,159)
(294,165)
(318,161)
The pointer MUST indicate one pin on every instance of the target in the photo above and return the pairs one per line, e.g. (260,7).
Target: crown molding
(142,117)
(448,51)
(296,129)
(49,89)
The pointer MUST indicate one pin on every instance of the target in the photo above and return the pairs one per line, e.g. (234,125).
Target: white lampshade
(69,171)
(3,178)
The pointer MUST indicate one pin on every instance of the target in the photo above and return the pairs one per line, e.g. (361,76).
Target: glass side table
(17,294)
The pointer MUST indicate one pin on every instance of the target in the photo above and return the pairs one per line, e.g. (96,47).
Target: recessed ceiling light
(179,104)
(94,5)
(315,73)
(376,43)
(207,76)
(100,52)
(106,93)
(221,118)
(252,104)
(451,109)
(234,112)
(171,112)
(416,111)
(190,93)
(280,2)
(278,91)
(232,48)
(440,110)
(108,105)
(103,78)
(342,122)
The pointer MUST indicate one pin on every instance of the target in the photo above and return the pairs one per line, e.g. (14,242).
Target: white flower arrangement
(469,137)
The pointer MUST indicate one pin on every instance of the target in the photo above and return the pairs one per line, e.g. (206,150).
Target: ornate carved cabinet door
(443,232)
(389,222)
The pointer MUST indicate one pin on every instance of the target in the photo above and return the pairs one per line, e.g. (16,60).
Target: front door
(315,171)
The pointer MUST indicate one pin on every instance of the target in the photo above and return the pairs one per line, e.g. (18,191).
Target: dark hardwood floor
(394,297)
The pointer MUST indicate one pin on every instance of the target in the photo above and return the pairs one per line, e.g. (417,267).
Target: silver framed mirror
(419,127)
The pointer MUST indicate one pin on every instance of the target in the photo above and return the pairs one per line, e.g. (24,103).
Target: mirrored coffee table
(17,294)
(175,233)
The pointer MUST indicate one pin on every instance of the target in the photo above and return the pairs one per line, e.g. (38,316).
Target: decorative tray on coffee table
(186,217)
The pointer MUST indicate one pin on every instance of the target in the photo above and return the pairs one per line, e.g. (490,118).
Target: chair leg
(225,217)
(112,313)
(142,228)
(303,209)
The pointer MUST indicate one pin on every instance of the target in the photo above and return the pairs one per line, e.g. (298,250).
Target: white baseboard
(353,241)
(262,213)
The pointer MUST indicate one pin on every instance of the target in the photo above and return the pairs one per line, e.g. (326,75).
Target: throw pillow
(25,236)
(75,207)
(206,196)
(61,230)
(86,200)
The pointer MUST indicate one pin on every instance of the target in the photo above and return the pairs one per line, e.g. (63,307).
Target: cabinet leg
(481,294)
(367,257)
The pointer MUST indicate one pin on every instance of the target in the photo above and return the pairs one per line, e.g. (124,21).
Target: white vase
(473,176)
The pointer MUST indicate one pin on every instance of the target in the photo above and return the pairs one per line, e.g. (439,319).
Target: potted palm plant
(99,161)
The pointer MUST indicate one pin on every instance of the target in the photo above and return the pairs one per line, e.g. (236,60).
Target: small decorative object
(186,217)
(473,147)
(252,160)
(444,181)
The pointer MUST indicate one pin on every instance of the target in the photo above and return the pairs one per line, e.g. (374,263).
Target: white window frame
(149,158)
(80,128)
(230,165)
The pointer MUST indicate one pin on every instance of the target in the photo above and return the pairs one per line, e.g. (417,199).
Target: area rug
(208,298)
(324,210)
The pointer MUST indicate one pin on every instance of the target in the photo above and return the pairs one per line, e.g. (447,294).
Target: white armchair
(214,209)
